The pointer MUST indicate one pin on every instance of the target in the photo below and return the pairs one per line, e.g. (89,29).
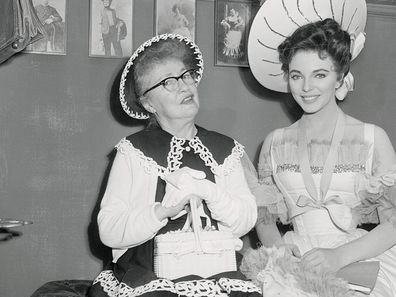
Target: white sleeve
(233,204)
(126,217)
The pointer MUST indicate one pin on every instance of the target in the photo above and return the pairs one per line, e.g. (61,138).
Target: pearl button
(187,149)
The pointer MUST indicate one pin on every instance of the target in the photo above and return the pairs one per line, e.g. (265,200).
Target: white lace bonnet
(126,92)
(278,19)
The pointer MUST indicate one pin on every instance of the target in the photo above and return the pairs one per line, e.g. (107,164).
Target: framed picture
(232,23)
(382,7)
(175,16)
(52,14)
(110,28)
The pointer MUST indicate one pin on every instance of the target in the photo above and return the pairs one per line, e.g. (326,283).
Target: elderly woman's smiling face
(168,106)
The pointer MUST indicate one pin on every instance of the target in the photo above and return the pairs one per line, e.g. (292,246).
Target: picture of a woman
(175,16)
(179,22)
(233,25)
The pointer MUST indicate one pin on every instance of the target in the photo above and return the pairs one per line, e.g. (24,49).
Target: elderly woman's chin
(189,106)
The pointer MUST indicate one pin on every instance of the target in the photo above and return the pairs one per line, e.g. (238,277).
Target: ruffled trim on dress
(377,193)
(271,204)
(270,201)
(352,156)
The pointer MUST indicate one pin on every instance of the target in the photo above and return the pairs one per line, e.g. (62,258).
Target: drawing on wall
(110,33)
(52,14)
(232,24)
(175,16)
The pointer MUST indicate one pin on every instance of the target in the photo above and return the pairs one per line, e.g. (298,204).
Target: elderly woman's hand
(180,188)
(180,184)
(184,182)
(182,177)
(163,212)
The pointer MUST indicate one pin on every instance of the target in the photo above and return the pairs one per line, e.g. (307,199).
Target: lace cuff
(378,193)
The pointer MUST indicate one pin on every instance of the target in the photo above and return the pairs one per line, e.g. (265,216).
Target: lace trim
(108,282)
(204,154)
(229,163)
(200,288)
(155,285)
(195,288)
(148,164)
(340,168)
(238,285)
(176,154)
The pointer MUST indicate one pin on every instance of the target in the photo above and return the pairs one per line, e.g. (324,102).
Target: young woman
(328,172)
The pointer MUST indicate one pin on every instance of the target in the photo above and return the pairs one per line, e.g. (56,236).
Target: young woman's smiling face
(313,80)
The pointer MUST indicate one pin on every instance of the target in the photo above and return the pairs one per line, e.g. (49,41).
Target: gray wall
(58,127)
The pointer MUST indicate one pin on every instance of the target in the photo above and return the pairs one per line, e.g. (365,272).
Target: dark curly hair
(325,37)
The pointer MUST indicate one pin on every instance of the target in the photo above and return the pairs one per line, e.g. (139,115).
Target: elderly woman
(159,169)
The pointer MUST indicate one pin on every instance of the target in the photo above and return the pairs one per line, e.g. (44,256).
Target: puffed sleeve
(270,201)
(378,193)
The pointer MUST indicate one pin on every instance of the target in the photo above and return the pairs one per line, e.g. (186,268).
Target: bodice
(333,212)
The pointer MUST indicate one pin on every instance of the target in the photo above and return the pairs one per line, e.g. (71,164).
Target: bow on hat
(357,44)
(278,19)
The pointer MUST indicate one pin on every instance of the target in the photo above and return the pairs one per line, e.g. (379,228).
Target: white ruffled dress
(354,197)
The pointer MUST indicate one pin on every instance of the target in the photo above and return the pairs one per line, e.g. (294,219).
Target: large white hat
(278,19)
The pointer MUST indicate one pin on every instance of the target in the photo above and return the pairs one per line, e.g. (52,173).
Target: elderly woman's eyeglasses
(172,83)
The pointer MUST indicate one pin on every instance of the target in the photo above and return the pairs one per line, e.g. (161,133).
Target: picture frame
(110,28)
(233,19)
(175,16)
(53,16)
(386,8)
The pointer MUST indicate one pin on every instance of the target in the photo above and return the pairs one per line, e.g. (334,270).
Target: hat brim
(128,99)
(278,19)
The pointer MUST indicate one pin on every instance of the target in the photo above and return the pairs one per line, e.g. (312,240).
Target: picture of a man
(110,32)
(113,30)
(54,25)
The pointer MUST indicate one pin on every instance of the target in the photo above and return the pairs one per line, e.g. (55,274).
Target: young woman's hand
(291,249)
(323,259)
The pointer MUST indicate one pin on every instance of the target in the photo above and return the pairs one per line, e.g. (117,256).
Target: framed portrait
(52,14)
(175,16)
(382,7)
(233,19)
(110,28)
